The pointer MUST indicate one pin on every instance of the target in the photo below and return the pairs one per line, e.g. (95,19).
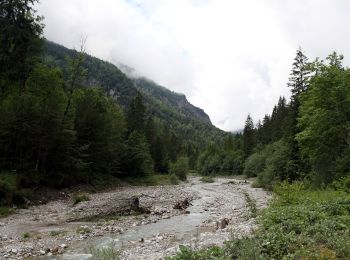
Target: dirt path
(217,209)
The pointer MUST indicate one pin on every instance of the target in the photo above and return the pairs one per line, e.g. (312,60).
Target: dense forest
(305,138)
(69,118)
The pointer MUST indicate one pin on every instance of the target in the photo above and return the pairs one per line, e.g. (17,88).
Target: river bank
(67,230)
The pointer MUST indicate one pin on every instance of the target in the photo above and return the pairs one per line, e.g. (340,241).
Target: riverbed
(55,230)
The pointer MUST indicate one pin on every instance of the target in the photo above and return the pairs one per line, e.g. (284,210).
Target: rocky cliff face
(123,83)
(172,99)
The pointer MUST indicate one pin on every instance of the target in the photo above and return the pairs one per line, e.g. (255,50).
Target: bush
(80,198)
(299,224)
(180,168)
(109,252)
(5,211)
(174,179)
(254,165)
(8,187)
(186,253)
(269,165)
(207,179)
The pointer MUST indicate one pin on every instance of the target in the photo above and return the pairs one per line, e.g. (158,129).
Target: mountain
(170,108)
(122,87)
(172,99)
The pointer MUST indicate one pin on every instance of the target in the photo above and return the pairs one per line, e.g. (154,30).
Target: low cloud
(229,57)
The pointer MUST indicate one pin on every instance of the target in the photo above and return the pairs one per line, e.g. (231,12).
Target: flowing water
(182,227)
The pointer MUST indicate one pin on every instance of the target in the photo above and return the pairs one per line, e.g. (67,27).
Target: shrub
(180,168)
(269,165)
(80,197)
(186,253)
(207,179)
(254,165)
(109,252)
(5,211)
(174,179)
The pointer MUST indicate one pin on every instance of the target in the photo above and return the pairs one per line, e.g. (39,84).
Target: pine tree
(248,137)
(136,115)
(20,40)
(299,77)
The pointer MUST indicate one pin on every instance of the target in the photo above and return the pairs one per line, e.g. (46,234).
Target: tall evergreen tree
(136,115)
(20,40)
(299,77)
(248,137)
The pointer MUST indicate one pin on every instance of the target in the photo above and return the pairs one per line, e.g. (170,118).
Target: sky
(229,57)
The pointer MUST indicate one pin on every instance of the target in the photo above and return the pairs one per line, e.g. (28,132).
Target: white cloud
(229,57)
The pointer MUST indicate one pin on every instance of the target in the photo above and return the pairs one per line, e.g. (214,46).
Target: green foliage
(109,252)
(180,168)
(137,156)
(254,164)
(342,184)
(186,253)
(20,41)
(80,197)
(6,211)
(207,179)
(245,248)
(323,121)
(219,161)
(253,210)
(248,137)
(26,235)
(299,224)
(174,179)
(270,164)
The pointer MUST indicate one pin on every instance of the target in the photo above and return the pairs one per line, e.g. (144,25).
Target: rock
(42,252)
(165,217)
(222,223)
(142,240)
(14,251)
(63,246)
(54,250)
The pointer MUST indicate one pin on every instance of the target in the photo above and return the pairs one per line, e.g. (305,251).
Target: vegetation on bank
(300,223)
(68,118)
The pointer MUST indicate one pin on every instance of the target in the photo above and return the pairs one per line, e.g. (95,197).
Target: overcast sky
(230,57)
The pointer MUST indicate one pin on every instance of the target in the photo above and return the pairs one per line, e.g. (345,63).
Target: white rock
(63,246)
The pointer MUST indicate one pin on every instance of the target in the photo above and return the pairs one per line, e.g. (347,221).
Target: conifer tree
(20,40)
(248,137)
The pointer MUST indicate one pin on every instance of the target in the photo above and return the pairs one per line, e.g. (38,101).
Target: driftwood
(119,207)
(182,204)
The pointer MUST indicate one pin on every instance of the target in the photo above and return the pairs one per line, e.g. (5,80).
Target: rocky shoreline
(55,227)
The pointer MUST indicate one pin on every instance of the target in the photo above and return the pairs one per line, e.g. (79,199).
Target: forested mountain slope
(160,100)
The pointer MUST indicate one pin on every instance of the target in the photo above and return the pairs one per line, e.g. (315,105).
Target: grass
(149,180)
(26,235)
(253,210)
(105,253)
(6,211)
(207,179)
(83,230)
(80,197)
(174,179)
(300,223)
(56,233)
